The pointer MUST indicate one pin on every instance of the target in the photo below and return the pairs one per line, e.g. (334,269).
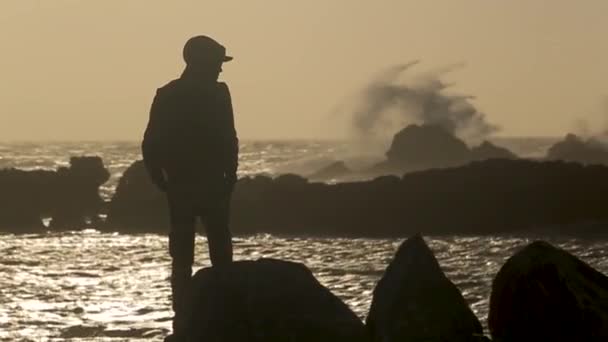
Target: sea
(92,286)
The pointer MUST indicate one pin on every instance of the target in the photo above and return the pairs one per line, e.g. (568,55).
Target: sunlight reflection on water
(85,286)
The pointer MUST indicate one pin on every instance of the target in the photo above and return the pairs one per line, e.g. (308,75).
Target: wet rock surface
(415,301)
(69,195)
(488,197)
(543,293)
(267,300)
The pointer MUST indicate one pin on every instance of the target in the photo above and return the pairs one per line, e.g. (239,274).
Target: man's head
(203,54)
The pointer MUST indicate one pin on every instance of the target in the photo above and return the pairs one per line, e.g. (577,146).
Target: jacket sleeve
(231,142)
(151,145)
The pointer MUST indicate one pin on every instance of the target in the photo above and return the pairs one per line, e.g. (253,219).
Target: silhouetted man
(190,150)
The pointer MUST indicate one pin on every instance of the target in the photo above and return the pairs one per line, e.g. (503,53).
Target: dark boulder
(486,197)
(415,301)
(137,205)
(543,293)
(575,149)
(78,201)
(70,196)
(25,197)
(487,150)
(426,146)
(267,300)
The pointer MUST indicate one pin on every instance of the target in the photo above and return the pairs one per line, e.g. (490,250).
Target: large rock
(267,300)
(488,197)
(543,293)
(78,201)
(415,301)
(487,150)
(426,146)
(137,204)
(575,149)
(416,148)
(25,197)
(69,195)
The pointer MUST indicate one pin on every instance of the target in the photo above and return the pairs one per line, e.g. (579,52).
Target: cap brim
(228,58)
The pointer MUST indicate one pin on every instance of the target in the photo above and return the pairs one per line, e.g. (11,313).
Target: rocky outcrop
(493,196)
(543,293)
(267,300)
(575,149)
(415,301)
(69,196)
(77,200)
(137,205)
(487,150)
(422,147)
(426,146)
(25,197)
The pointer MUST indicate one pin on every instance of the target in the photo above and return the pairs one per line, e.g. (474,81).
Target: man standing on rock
(190,149)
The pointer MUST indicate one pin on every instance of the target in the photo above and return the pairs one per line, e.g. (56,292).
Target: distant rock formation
(543,293)
(427,146)
(137,205)
(488,197)
(421,147)
(415,301)
(25,197)
(78,201)
(267,300)
(487,150)
(69,196)
(575,149)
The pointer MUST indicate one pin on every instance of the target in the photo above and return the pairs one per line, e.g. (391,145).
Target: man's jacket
(190,138)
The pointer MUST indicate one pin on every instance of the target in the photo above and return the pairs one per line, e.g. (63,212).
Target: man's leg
(219,238)
(181,249)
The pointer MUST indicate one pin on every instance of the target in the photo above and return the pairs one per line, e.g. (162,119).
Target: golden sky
(88,69)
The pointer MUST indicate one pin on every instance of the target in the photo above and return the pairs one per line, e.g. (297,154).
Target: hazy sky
(88,69)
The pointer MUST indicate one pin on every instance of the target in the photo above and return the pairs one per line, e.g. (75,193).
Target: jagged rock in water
(68,195)
(334,170)
(487,150)
(426,146)
(78,198)
(267,300)
(137,205)
(415,301)
(575,149)
(543,293)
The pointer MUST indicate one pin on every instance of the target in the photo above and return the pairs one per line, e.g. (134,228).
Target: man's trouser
(184,208)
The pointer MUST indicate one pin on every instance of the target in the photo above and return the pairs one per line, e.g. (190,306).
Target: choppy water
(89,286)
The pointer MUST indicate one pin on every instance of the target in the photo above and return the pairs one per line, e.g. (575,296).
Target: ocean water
(92,286)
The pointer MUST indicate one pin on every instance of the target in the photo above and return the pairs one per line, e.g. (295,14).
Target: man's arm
(151,145)
(231,160)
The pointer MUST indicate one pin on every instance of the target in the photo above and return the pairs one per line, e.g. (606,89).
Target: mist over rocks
(543,293)
(398,96)
(486,197)
(414,300)
(421,147)
(69,196)
(577,149)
